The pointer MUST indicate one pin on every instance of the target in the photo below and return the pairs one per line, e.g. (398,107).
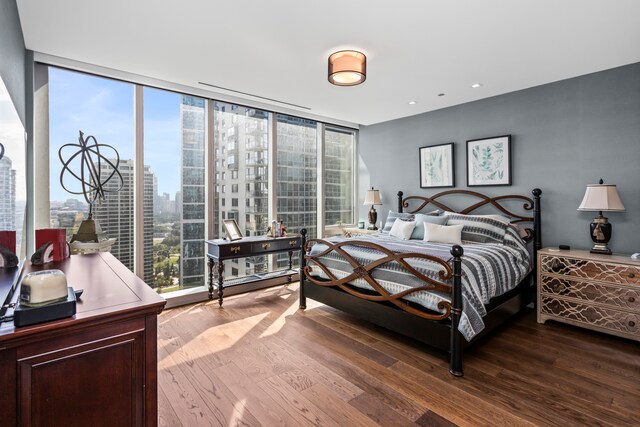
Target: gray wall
(12,55)
(565,135)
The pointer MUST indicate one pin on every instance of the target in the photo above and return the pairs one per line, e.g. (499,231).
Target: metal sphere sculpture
(91,156)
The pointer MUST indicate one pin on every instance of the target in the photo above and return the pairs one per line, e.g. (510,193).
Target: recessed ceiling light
(476,85)
(413,102)
(441,94)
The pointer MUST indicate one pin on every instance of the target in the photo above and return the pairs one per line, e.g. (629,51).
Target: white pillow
(443,233)
(402,229)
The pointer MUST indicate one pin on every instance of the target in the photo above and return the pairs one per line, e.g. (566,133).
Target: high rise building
(7,195)
(192,195)
(150,182)
(115,215)
(156,196)
(242,184)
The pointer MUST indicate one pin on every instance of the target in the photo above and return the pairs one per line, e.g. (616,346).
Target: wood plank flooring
(261,361)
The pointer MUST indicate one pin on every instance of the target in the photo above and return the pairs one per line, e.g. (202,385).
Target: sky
(103,108)
(12,137)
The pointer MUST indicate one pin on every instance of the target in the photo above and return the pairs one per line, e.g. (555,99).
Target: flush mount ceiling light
(476,85)
(347,68)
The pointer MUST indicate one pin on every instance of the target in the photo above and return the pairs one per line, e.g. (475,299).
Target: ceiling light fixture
(413,102)
(476,85)
(347,68)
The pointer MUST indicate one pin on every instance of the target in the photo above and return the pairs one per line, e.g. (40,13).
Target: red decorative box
(8,240)
(58,238)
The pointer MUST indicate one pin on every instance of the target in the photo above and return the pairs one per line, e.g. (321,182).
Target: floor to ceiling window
(174,217)
(102,108)
(297,173)
(260,166)
(241,147)
(13,173)
(339,153)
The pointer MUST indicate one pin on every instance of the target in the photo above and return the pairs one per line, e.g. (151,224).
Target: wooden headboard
(530,208)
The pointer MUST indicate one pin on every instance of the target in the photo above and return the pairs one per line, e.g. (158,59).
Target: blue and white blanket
(488,270)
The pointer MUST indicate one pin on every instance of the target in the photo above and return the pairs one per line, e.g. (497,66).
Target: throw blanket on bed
(488,270)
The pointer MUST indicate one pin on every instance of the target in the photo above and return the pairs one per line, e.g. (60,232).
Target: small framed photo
(231,229)
(489,161)
(437,166)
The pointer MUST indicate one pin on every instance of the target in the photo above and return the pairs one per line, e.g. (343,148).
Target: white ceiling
(278,49)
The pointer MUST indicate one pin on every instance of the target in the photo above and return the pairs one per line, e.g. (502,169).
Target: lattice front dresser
(598,292)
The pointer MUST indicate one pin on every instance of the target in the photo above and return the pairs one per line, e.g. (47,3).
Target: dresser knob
(266,246)
(632,323)
(632,299)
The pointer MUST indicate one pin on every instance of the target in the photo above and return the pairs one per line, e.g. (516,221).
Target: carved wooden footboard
(449,283)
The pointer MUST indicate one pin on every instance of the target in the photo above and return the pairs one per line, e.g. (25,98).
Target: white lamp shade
(601,197)
(372,197)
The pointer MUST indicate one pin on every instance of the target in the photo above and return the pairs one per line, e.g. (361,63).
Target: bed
(442,295)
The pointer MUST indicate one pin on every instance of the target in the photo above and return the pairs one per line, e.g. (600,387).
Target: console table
(96,368)
(221,250)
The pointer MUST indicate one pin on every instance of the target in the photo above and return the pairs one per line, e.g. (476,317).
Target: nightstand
(593,291)
(355,231)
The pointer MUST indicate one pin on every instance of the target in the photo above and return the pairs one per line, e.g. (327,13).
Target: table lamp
(372,198)
(601,197)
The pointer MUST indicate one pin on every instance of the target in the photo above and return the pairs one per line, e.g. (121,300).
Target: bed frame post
(400,194)
(455,366)
(537,242)
(303,263)
(537,225)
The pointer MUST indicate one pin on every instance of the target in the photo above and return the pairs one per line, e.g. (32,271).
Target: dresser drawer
(590,269)
(617,322)
(292,243)
(229,250)
(615,296)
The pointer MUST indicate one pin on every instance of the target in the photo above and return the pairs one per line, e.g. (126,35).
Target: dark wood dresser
(98,368)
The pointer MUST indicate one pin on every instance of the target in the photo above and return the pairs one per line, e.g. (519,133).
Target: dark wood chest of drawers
(97,368)
(598,292)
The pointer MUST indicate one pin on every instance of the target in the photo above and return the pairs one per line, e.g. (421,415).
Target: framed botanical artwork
(437,166)
(489,161)
(231,229)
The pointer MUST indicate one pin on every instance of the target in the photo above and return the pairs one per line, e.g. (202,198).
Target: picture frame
(437,166)
(231,229)
(489,161)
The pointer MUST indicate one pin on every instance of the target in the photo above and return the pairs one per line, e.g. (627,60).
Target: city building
(192,195)
(115,215)
(7,195)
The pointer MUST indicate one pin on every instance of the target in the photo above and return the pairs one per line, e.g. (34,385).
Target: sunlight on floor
(279,322)
(238,413)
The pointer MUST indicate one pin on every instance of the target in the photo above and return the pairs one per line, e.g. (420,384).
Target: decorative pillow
(391,218)
(522,232)
(402,229)
(443,233)
(418,232)
(480,228)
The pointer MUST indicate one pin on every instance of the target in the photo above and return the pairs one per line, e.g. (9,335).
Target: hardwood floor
(261,361)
